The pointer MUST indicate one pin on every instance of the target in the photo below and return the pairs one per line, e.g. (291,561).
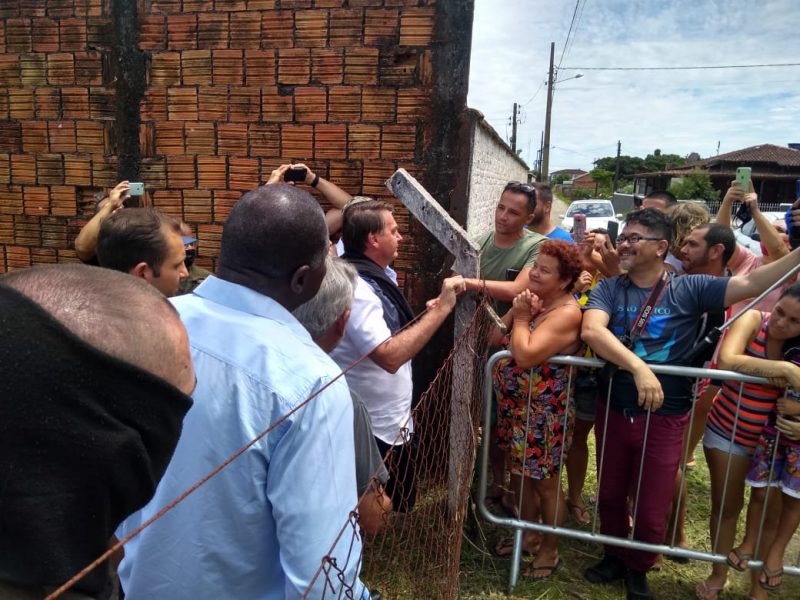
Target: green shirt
(495,261)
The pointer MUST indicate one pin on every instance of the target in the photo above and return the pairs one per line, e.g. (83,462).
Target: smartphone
(797,189)
(296,174)
(511,274)
(136,189)
(579,227)
(743,178)
(613,231)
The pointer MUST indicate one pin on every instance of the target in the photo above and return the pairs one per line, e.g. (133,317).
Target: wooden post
(453,237)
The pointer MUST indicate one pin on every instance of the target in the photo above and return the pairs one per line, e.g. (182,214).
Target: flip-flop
(505,548)
(703,591)
(740,560)
(549,570)
(770,575)
(579,513)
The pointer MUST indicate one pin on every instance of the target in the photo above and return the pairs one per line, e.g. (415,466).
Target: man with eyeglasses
(648,317)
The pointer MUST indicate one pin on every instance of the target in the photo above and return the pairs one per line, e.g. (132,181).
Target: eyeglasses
(635,238)
(526,188)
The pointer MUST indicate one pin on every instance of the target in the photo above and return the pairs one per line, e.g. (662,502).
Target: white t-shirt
(387,396)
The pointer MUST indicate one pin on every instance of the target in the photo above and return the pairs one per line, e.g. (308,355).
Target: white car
(598,213)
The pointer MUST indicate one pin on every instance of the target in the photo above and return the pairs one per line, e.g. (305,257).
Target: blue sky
(677,111)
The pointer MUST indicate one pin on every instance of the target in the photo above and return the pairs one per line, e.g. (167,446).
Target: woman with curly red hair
(533,421)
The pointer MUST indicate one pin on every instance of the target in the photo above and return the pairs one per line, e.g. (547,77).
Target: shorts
(585,404)
(785,467)
(714,441)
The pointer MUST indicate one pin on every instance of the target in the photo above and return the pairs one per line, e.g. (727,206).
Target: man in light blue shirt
(261,527)
(542,223)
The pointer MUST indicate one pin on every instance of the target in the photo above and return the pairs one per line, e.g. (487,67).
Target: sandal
(579,513)
(739,561)
(777,574)
(505,548)
(546,570)
(708,592)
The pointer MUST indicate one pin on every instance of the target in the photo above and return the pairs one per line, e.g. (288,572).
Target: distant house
(584,182)
(775,169)
(566,174)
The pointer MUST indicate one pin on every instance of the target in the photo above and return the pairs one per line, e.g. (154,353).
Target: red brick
(244,173)
(72,34)
(61,69)
(228,67)
(36,200)
(213,30)
(153,172)
(413,105)
(9,70)
(90,137)
(50,169)
(2,260)
(310,104)
(311,28)
(200,138)
(104,172)
(363,141)
(48,102)
(102,103)
(169,137)
(212,172)
(344,104)
(33,69)
(44,35)
(4,116)
(6,225)
(169,202)
(99,33)
(294,66)
(167,7)
(34,136)
(181,172)
(261,4)
(45,256)
(330,141)
(199,6)
(60,8)
(416,26)
(88,69)
(210,239)
(398,67)
(245,103)
(277,29)
(361,66)
(297,141)
(154,105)
(62,136)
(264,140)
(18,35)
(197,206)
(260,67)
(328,3)
(305,4)
(18,257)
(246,28)
(182,104)
(23,169)
(327,65)
(276,107)
(27,230)
(224,200)
(346,174)
(346,28)
(182,32)
(63,203)
(232,139)
(75,103)
(165,68)
(5,169)
(152,32)
(378,105)
(376,173)
(381,26)
(196,67)
(213,103)
(147,139)
(20,104)
(11,199)
(398,141)
(230,5)
(88,8)
(77,170)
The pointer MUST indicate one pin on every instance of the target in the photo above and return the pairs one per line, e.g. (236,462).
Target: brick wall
(231,89)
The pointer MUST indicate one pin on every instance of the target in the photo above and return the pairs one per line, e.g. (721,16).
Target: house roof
(572,172)
(762,155)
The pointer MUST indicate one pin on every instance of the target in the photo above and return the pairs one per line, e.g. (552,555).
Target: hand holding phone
(613,232)
(295,174)
(579,227)
(743,178)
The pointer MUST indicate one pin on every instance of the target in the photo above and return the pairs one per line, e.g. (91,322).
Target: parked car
(598,213)
(747,236)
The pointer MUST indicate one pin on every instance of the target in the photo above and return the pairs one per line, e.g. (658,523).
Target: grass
(485,576)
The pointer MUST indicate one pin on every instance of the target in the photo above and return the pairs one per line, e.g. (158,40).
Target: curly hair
(685,217)
(570,264)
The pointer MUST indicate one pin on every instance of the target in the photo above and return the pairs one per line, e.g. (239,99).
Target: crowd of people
(151,375)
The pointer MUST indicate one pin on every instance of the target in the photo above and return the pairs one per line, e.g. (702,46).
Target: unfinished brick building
(201,99)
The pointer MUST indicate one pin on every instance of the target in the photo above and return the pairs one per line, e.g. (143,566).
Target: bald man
(92,405)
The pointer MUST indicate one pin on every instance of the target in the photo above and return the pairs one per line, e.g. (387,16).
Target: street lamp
(545,173)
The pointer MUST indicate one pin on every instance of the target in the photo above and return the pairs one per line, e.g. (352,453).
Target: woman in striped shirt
(754,345)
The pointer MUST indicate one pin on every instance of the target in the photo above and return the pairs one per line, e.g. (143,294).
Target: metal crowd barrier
(519,526)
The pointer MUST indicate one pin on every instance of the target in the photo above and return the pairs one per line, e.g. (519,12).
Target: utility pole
(546,143)
(514,130)
(616,170)
(539,156)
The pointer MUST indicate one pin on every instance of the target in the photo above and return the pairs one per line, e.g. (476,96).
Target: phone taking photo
(613,232)
(743,178)
(579,227)
(295,174)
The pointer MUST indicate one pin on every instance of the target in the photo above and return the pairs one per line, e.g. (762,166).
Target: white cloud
(676,111)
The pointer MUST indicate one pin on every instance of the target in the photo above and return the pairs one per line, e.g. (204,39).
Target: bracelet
(315,181)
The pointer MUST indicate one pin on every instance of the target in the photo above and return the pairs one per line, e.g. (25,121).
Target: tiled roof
(764,153)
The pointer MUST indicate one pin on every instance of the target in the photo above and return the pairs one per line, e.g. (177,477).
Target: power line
(569,32)
(694,68)
(571,42)
(536,93)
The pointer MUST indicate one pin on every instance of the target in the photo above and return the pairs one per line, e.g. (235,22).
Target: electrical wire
(569,32)
(692,68)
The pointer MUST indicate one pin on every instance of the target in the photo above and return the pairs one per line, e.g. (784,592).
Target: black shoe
(636,585)
(607,570)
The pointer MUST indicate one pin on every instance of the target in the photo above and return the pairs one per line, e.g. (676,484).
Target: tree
(695,185)
(560,178)
(628,165)
(661,162)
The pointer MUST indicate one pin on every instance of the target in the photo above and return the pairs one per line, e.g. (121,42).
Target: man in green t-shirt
(508,252)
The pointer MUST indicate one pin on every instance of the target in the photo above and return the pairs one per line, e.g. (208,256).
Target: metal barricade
(519,526)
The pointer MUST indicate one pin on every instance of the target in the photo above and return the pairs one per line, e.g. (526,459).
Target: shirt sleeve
(533,252)
(708,291)
(366,328)
(602,296)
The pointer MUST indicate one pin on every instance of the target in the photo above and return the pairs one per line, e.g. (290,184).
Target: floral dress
(537,437)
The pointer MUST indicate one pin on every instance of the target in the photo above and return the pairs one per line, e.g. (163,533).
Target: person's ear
(715,251)
(664,245)
(341,323)
(299,280)
(143,271)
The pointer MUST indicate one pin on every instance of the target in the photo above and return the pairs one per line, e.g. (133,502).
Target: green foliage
(560,178)
(583,194)
(661,162)
(695,185)
(628,165)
